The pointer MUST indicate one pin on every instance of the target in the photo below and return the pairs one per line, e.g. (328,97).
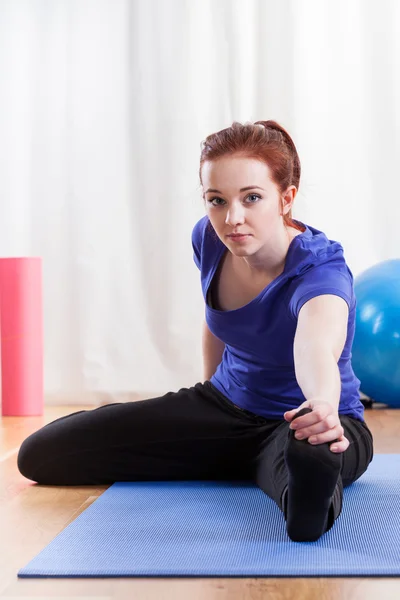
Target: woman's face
(256,211)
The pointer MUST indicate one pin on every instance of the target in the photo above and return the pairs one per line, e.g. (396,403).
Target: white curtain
(103,106)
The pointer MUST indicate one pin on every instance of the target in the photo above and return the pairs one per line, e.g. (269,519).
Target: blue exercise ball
(376,346)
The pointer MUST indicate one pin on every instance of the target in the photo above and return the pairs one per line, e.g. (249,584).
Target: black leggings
(192,434)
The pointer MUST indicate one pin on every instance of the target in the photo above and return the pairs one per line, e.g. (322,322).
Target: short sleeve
(197,241)
(332,277)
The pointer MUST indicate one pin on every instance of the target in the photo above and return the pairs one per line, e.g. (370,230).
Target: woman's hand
(319,426)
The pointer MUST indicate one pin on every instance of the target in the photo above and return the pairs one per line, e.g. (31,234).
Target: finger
(330,424)
(340,446)
(322,414)
(333,435)
(289,414)
(305,421)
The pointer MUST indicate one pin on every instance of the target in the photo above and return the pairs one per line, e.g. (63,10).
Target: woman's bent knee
(32,453)
(27,458)
(42,448)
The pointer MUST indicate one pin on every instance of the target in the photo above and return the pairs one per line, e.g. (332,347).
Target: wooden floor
(32,515)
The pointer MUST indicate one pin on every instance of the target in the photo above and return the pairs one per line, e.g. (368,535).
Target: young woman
(280,402)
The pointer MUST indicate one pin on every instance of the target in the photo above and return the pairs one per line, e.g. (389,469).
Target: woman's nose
(234,217)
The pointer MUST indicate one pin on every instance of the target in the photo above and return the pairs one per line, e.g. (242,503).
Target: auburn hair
(266,141)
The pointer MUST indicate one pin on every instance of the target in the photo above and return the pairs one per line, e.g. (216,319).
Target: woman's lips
(238,238)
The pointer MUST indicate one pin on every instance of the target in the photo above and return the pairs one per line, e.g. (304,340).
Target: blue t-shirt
(257,367)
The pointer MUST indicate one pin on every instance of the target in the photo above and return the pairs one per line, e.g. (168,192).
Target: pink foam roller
(21,327)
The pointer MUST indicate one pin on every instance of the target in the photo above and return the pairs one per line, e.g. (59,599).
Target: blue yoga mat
(225,529)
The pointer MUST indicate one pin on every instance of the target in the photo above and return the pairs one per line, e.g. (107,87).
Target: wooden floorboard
(31,516)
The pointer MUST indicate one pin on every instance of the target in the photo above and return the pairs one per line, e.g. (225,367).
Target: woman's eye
(211,200)
(253,196)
